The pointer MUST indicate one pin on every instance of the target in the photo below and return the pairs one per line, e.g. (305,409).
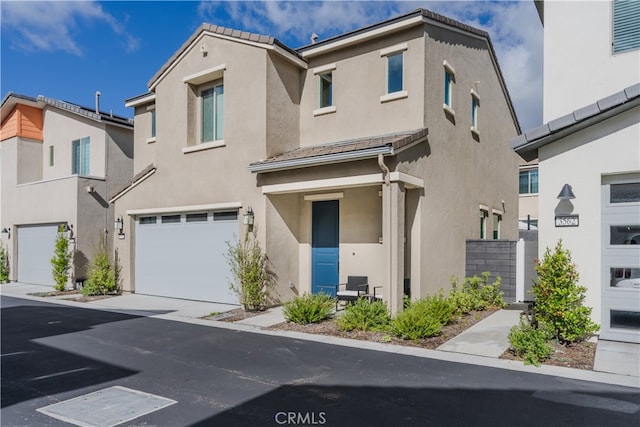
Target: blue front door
(324,247)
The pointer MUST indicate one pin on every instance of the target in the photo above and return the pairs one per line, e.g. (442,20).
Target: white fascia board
(325,68)
(141,101)
(321,160)
(324,184)
(134,185)
(358,38)
(183,209)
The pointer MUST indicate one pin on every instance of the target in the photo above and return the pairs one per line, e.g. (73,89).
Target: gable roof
(137,179)
(11,99)
(342,151)
(227,33)
(527,144)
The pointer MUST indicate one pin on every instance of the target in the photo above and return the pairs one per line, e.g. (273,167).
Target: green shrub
(476,293)
(102,278)
(61,261)
(249,266)
(436,306)
(364,315)
(413,324)
(559,298)
(4,264)
(309,308)
(530,343)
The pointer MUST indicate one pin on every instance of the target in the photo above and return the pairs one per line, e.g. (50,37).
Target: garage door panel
(36,247)
(185,260)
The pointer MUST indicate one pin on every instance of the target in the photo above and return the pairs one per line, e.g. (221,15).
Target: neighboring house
(528,189)
(376,153)
(589,154)
(59,163)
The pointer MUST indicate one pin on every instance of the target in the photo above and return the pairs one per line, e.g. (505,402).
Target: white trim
(410,180)
(475,94)
(323,196)
(324,184)
(319,160)
(394,49)
(203,146)
(394,96)
(325,68)
(141,101)
(497,212)
(185,209)
(448,110)
(151,140)
(135,184)
(324,110)
(448,67)
(151,107)
(484,208)
(205,76)
(362,37)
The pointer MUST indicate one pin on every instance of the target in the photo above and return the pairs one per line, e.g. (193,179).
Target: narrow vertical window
(483,223)
(80,156)
(395,72)
(51,155)
(529,181)
(497,220)
(449,80)
(326,89)
(212,113)
(475,105)
(153,123)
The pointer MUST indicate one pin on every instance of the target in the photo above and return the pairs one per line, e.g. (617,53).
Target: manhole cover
(105,408)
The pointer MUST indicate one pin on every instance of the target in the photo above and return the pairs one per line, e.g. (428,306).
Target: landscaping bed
(578,355)
(330,327)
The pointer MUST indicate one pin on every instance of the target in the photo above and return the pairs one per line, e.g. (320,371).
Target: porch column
(393,207)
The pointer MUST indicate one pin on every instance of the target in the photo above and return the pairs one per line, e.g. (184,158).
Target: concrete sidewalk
(482,344)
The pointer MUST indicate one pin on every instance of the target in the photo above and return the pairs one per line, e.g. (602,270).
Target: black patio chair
(356,287)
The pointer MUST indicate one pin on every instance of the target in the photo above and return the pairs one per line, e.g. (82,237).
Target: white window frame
(319,72)
(448,90)
(497,222)
(153,125)
(484,214)
(399,49)
(82,148)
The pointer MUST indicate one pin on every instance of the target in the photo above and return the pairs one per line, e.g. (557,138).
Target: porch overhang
(368,180)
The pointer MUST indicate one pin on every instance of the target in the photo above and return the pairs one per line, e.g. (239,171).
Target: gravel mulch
(580,355)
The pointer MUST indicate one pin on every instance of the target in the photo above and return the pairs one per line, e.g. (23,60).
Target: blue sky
(68,50)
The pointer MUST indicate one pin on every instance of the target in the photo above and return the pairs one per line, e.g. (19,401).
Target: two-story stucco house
(375,153)
(589,153)
(59,163)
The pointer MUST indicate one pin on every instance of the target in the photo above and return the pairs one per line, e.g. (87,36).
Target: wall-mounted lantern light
(69,230)
(119,226)
(248,217)
(566,193)
(7,231)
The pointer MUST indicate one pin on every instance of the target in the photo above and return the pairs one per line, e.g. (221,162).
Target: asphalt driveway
(51,353)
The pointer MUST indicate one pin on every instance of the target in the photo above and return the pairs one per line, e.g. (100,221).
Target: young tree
(4,264)
(103,274)
(559,298)
(249,268)
(61,260)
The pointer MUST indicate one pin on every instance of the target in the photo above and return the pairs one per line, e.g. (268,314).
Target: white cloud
(54,26)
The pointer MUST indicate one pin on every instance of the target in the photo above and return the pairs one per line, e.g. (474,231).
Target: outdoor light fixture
(7,231)
(566,193)
(69,229)
(118,224)
(248,217)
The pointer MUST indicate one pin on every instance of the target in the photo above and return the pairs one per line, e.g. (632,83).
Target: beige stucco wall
(581,160)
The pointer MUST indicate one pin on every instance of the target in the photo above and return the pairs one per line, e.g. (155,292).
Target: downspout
(385,169)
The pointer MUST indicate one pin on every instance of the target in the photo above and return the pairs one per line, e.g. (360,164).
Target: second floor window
(80,156)
(51,155)
(153,123)
(529,181)
(626,25)
(212,113)
(326,89)
(394,72)
(475,104)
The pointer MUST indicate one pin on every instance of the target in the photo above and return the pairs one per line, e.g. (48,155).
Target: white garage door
(183,255)
(36,246)
(621,260)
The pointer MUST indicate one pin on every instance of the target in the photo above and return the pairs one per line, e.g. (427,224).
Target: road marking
(57,374)
(15,353)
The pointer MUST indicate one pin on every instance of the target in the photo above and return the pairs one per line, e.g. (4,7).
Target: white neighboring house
(589,153)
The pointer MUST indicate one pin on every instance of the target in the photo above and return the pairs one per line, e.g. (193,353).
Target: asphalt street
(51,353)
